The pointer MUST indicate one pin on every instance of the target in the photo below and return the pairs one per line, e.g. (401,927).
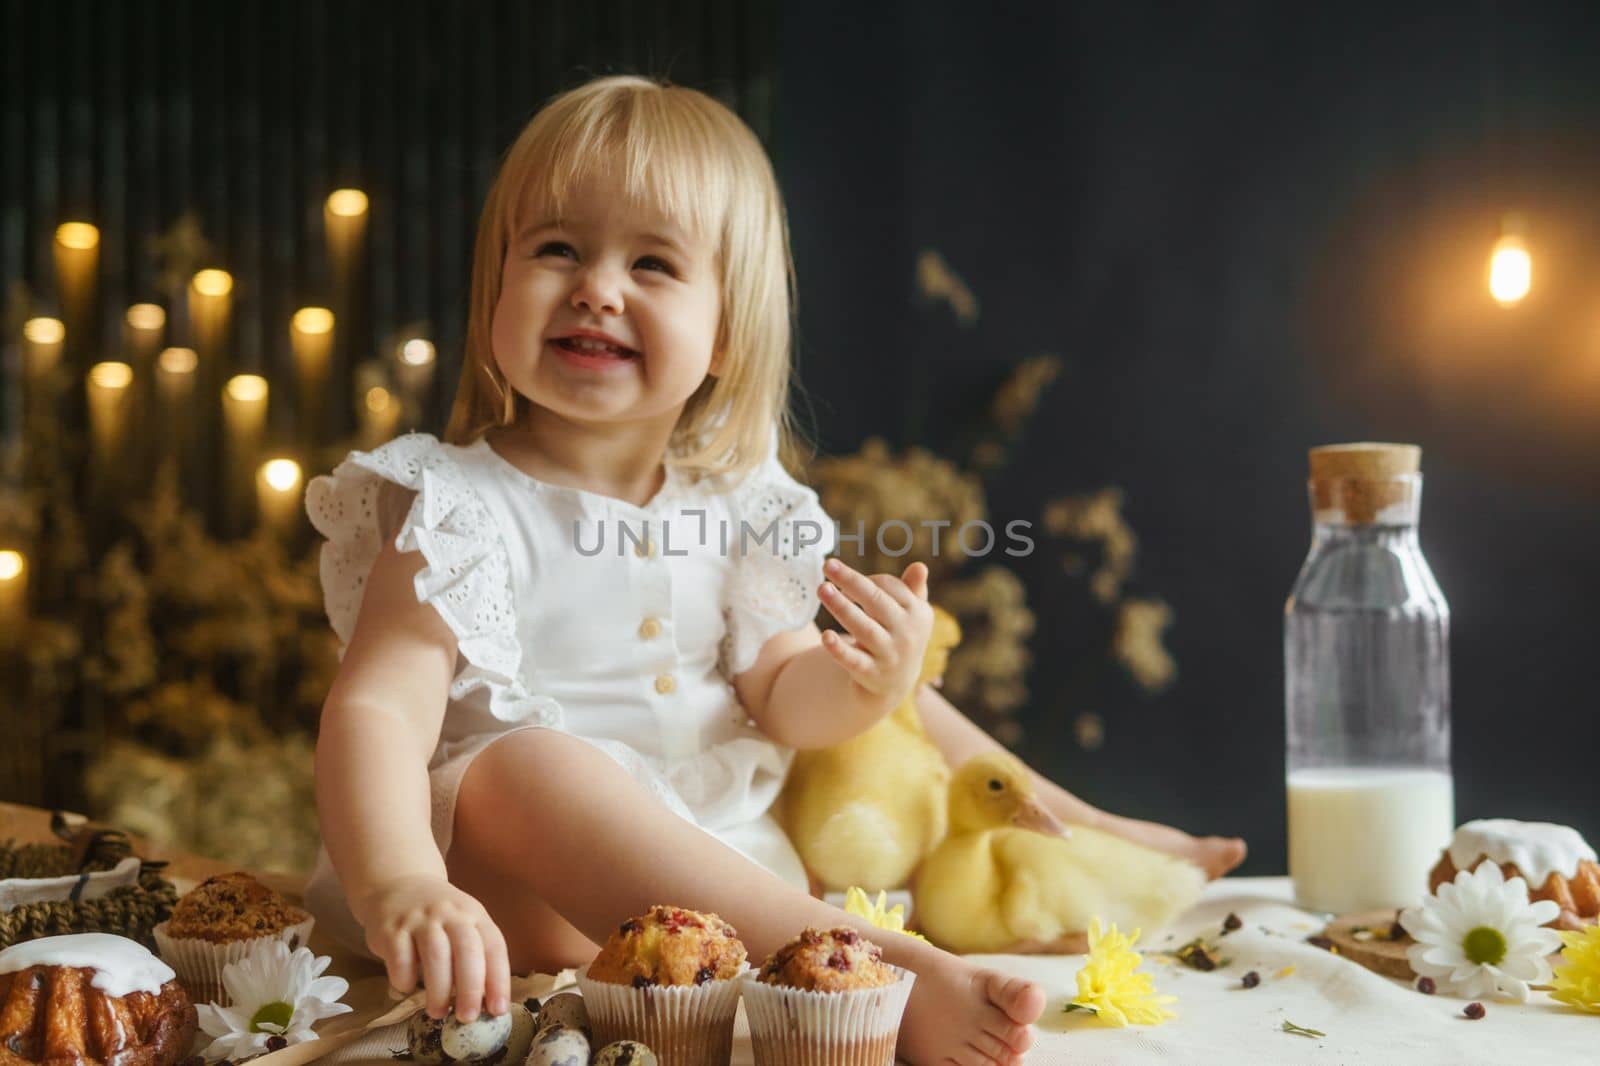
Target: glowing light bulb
(213,283)
(80,235)
(281,474)
(347,203)
(1510,271)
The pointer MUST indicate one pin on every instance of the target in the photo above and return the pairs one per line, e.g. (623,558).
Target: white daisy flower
(1479,936)
(275,992)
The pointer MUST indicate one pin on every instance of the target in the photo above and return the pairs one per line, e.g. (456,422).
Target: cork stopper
(1360,482)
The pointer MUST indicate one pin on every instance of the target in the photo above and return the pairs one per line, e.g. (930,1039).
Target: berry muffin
(216,923)
(826,998)
(668,978)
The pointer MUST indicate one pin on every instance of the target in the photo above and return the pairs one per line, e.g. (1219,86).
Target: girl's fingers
(878,603)
(467,948)
(916,580)
(867,631)
(433,948)
(402,959)
(853,659)
(497,969)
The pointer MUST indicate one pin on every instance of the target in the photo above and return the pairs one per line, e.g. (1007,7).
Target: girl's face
(607,315)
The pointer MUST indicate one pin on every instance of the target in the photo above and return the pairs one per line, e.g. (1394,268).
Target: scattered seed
(276,1043)
(1474,1011)
(1251,979)
(1426,986)
(1231,922)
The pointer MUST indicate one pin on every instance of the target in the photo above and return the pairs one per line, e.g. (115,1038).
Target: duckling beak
(1034,815)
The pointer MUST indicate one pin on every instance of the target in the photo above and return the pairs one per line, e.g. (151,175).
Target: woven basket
(130,911)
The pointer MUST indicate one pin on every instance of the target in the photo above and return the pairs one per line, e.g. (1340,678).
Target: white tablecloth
(1367,1018)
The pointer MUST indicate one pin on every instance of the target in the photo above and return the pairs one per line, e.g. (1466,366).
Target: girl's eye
(651,262)
(561,248)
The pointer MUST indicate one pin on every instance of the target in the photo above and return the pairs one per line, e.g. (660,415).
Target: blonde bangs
(679,153)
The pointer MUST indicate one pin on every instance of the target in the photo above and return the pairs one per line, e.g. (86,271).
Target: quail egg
(436,1041)
(625,1053)
(568,1009)
(523,1027)
(557,1045)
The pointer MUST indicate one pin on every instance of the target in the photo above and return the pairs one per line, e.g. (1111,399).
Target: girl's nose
(599,291)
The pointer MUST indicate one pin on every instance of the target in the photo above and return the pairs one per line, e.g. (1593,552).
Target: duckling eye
(995,785)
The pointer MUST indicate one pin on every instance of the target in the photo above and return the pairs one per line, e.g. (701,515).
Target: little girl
(579,647)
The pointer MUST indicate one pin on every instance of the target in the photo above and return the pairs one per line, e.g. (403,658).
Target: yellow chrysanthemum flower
(1111,985)
(1577,975)
(880,914)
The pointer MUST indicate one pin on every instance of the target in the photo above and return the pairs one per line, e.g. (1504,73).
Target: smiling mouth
(594,348)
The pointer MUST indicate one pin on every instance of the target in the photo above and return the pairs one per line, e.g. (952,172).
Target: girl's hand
(425,927)
(888,620)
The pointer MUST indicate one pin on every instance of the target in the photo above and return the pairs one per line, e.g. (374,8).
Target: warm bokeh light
(1510,271)
(44,330)
(416,352)
(347,202)
(213,283)
(12,564)
(247,388)
(111,375)
(378,399)
(313,320)
(179,360)
(79,235)
(281,474)
(147,316)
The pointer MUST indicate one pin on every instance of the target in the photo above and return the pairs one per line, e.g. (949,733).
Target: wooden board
(1387,957)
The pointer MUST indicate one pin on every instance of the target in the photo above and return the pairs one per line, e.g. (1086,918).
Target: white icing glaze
(121,965)
(1538,849)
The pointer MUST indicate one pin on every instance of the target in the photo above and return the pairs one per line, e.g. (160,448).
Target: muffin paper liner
(797,1027)
(688,1025)
(198,963)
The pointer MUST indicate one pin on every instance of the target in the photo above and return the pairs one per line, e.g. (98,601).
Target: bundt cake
(91,999)
(1554,860)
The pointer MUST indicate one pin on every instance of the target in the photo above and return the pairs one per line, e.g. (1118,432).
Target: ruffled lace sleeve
(778,562)
(467,576)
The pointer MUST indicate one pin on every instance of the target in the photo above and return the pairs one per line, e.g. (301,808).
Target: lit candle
(278,496)
(42,351)
(77,251)
(13,596)
(380,416)
(209,307)
(344,218)
(108,399)
(311,338)
(413,372)
(175,386)
(146,325)
(244,418)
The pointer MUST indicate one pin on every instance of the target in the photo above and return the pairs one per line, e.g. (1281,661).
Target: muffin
(1554,860)
(218,922)
(826,998)
(670,979)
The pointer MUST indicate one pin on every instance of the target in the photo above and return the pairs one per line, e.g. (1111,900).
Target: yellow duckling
(1011,878)
(865,812)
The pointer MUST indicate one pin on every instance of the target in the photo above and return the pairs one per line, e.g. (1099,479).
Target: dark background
(1245,228)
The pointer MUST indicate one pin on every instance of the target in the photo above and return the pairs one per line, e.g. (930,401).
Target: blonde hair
(680,152)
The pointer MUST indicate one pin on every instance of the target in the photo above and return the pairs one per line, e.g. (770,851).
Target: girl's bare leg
(959,739)
(542,816)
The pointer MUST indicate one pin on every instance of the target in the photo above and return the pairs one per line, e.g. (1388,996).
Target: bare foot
(964,1015)
(1216,855)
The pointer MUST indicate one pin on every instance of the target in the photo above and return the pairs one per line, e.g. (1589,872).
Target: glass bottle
(1367,685)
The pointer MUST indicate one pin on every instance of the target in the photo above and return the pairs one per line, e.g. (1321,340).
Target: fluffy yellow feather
(865,812)
(1006,879)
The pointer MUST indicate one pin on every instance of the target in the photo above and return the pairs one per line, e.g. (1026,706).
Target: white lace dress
(575,611)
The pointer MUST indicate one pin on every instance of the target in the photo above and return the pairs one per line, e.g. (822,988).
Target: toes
(1022,1000)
